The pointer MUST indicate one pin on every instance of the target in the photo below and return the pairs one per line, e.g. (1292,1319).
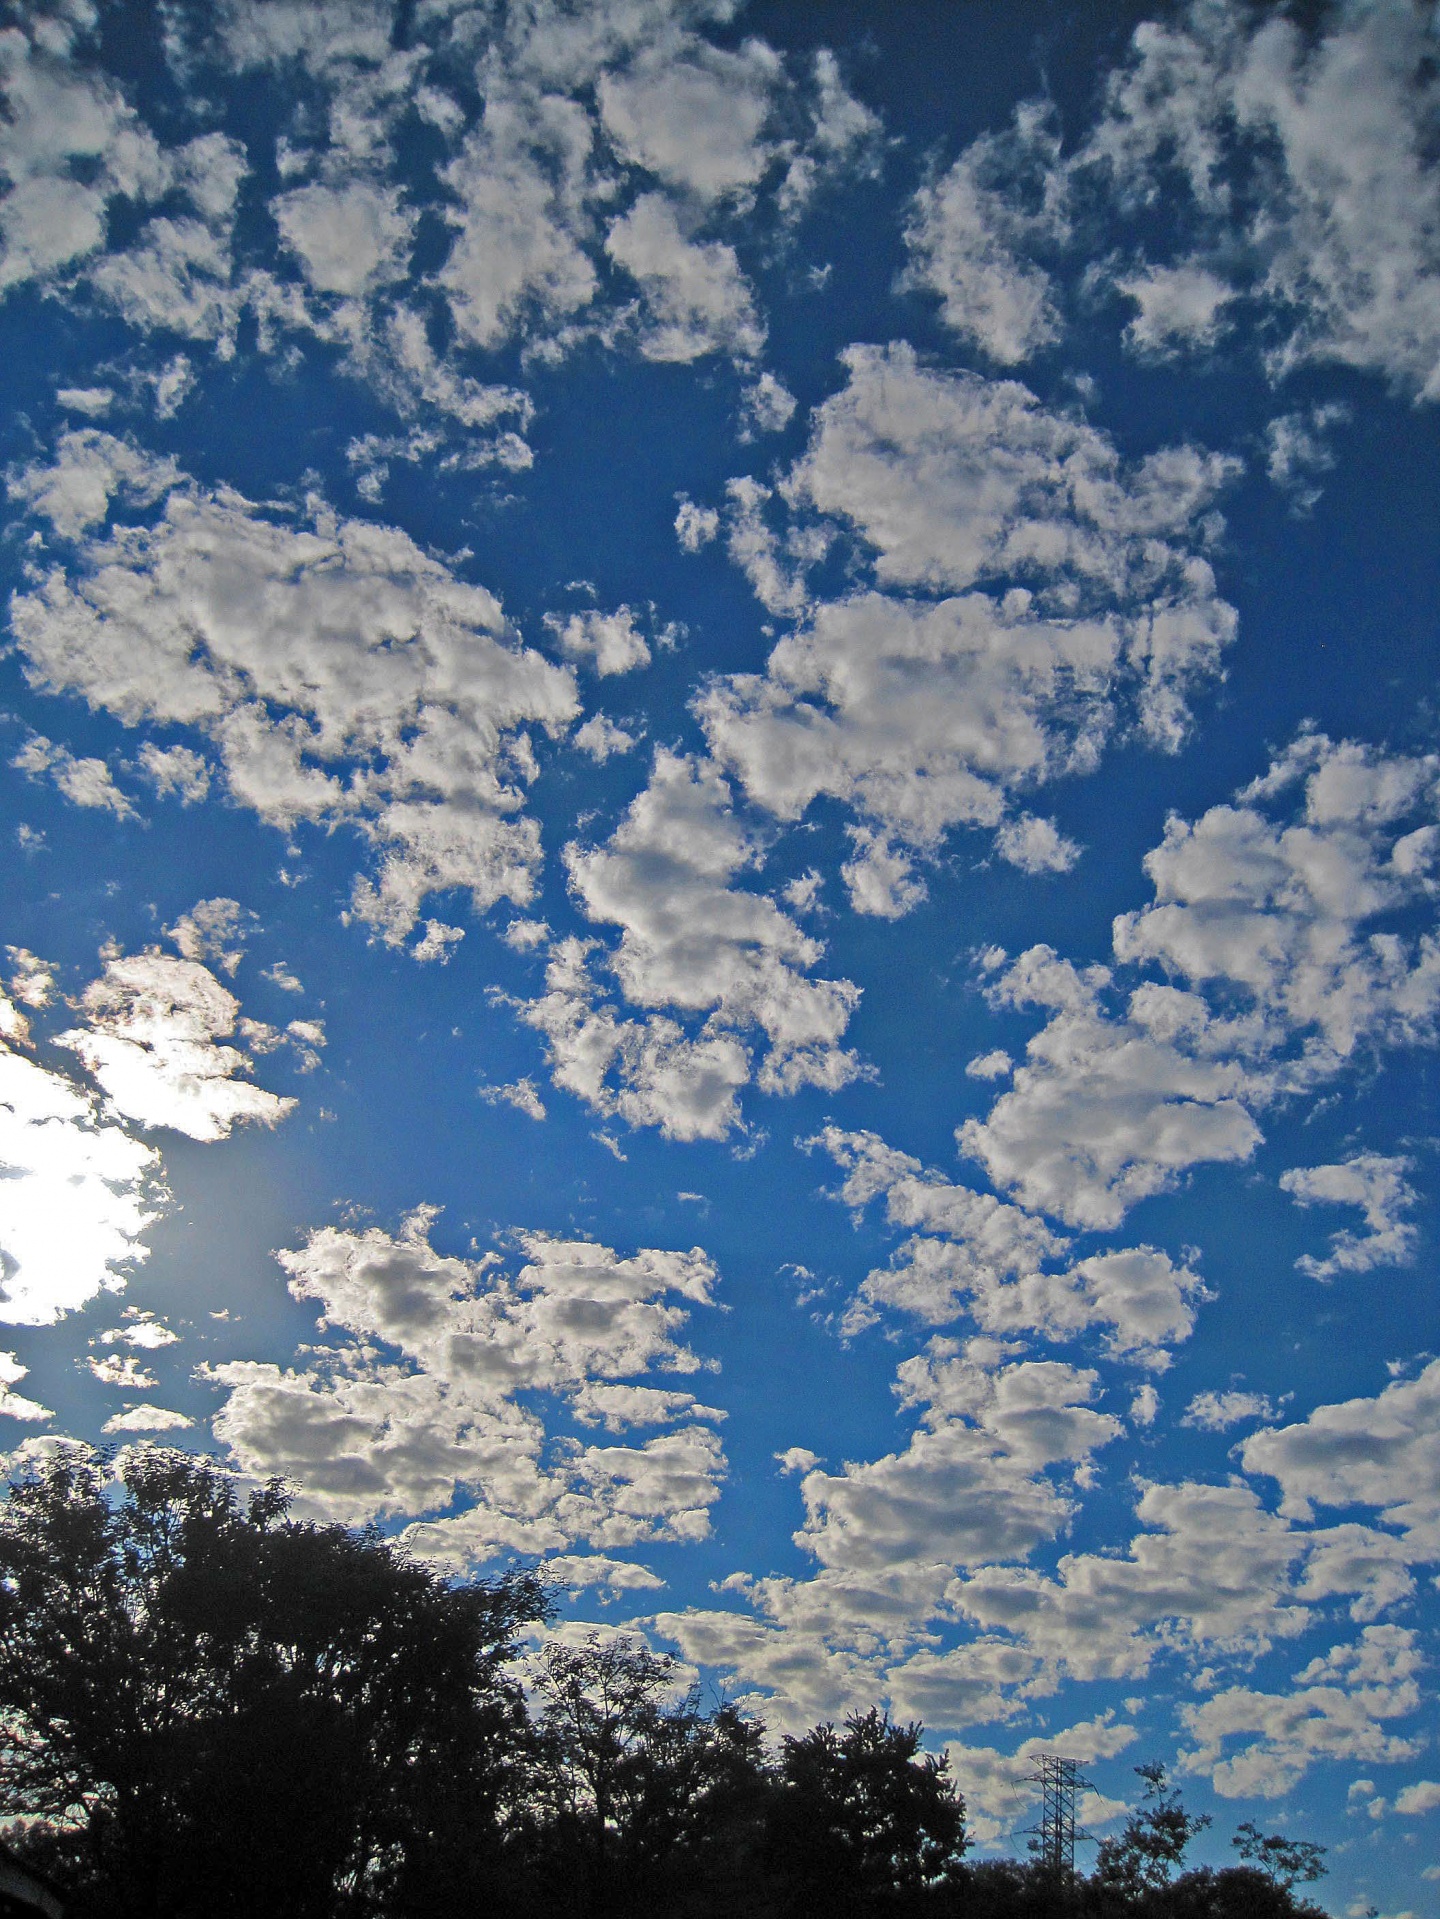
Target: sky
(722,837)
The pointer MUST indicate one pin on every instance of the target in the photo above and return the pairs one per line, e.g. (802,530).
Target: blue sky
(722,823)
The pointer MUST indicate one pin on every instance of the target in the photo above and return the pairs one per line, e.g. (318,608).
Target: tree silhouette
(219,1710)
(648,1801)
(864,1817)
(1153,1841)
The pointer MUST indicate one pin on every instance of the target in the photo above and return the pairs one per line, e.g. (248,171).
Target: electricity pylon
(1059,1780)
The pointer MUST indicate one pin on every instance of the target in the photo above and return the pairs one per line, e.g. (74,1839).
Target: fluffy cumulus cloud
(340,674)
(1294,170)
(1272,923)
(1382,1452)
(1303,159)
(970,1253)
(72,150)
(972,227)
(1212,1568)
(84,782)
(728,961)
(153,1038)
(988,1476)
(1002,1787)
(1376,1184)
(1107,1110)
(15,1405)
(1337,1708)
(594,193)
(429,1400)
(1290,910)
(970,1487)
(1031,593)
(696,296)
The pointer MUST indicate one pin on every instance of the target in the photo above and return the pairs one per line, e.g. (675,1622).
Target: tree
(645,1798)
(863,1817)
(1289,1862)
(217,1709)
(1152,1842)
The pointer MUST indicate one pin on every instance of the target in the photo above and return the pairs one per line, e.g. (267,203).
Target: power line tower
(1059,1780)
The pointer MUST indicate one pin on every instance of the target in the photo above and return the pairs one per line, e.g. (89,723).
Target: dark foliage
(218,1710)
(209,1709)
(864,1821)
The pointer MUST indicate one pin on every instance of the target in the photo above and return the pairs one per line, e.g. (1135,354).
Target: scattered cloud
(422,1405)
(342,675)
(1336,1709)
(693,942)
(1378,1186)
(151,1033)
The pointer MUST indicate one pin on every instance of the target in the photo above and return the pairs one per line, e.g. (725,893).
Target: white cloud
(600,737)
(880,876)
(342,674)
(1035,846)
(522,1095)
(583,1570)
(178,770)
(692,941)
(1420,1797)
(1307,162)
(32,983)
(1213,1570)
(1216,1412)
(144,1418)
(695,122)
(436,943)
(952,479)
(15,1405)
(79,1193)
(123,1370)
(94,402)
(1296,452)
(89,471)
(1033,589)
(1180,306)
(70,145)
(611,641)
(1335,1711)
(1280,909)
(969,1488)
(999,1787)
(141,1330)
(976,1254)
(86,782)
(519,186)
(1382,1452)
(1378,1186)
(151,1038)
(969,229)
(1145,1405)
(1271,919)
(439,1426)
(215,930)
(697,299)
(1106,1110)
(696,526)
(768,406)
(348,238)
(178,275)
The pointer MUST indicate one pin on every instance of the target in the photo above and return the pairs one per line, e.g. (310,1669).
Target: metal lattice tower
(1059,1780)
